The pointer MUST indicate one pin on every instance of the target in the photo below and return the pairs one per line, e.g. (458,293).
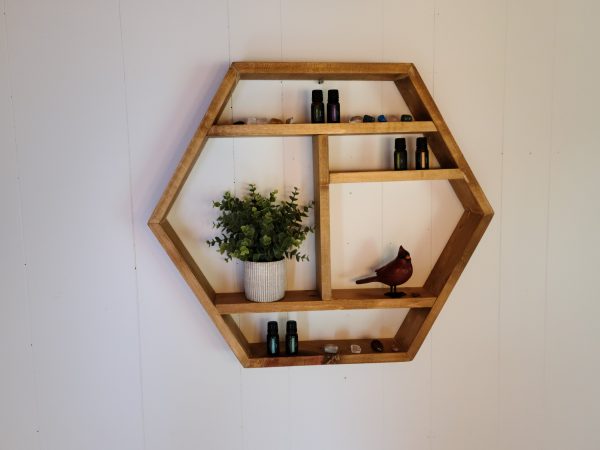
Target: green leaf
(259,228)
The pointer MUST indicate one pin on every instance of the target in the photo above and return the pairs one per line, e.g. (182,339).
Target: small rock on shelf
(278,121)
(331,358)
(354,348)
(356,119)
(381,118)
(331,348)
(367,118)
(377,345)
(393,118)
(406,118)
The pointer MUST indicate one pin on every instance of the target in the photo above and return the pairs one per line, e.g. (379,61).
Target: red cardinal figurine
(393,273)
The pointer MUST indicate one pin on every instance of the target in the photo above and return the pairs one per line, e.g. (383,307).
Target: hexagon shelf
(424,303)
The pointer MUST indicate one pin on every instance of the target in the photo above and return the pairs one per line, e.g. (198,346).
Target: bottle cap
(291,327)
(333,96)
(272,327)
(421,143)
(317,96)
(400,144)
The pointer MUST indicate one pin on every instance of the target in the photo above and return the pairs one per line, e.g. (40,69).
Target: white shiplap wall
(103,346)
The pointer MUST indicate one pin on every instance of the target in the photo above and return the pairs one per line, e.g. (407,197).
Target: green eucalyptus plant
(261,229)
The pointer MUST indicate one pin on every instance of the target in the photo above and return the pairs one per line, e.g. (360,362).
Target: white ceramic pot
(264,281)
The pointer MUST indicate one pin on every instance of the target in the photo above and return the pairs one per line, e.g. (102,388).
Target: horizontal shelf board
(236,303)
(312,353)
(266,70)
(312,129)
(395,175)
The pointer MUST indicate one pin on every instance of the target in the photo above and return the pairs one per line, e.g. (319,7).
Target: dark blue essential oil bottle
(291,338)
(400,154)
(272,338)
(317,108)
(333,106)
(422,154)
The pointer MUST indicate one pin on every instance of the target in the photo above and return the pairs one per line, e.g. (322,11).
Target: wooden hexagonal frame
(425,302)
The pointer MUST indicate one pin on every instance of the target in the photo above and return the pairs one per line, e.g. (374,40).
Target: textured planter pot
(264,281)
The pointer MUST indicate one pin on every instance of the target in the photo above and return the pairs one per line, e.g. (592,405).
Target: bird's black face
(402,253)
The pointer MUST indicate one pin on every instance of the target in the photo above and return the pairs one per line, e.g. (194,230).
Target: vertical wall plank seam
(436,13)
(24,252)
(234,265)
(241,409)
(501,214)
(552,95)
(431,352)
(382,244)
(285,179)
(133,233)
(290,419)
(430,262)
(381,84)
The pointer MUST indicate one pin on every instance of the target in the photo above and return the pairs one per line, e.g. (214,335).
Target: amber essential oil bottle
(422,154)
(400,154)
(333,106)
(317,108)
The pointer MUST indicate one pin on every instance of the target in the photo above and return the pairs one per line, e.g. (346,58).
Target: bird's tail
(366,280)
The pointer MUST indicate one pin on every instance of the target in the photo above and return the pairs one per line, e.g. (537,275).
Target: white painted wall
(102,344)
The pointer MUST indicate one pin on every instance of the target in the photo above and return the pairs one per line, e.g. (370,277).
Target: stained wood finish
(311,129)
(236,332)
(443,278)
(321,71)
(168,238)
(423,107)
(322,222)
(195,147)
(449,267)
(185,259)
(395,175)
(454,255)
(342,299)
(446,271)
(412,324)
(312,353)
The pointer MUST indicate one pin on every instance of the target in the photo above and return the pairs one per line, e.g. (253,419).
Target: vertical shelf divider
(322,223)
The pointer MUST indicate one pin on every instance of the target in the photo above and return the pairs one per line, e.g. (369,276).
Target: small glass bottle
(291,338)
(333,106)
(272,338)
(317,108)
(400,154)
(422,154)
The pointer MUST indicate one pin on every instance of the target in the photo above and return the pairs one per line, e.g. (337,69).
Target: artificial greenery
(260,229)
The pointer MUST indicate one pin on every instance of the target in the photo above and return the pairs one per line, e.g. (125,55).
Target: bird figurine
(394,273)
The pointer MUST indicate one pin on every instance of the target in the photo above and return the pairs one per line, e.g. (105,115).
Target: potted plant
(261,232)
